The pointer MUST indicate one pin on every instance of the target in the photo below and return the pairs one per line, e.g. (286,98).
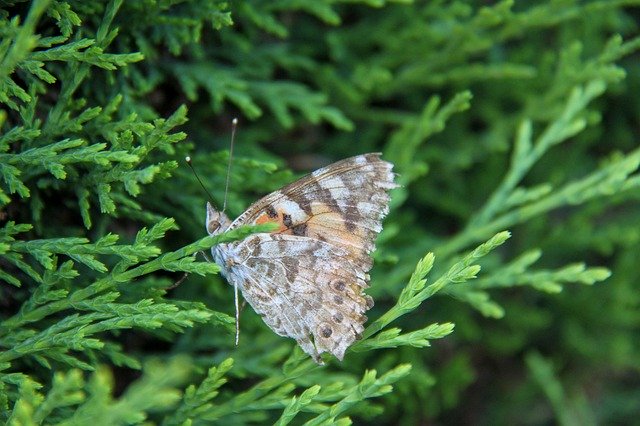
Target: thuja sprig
(11,54)
(519,272)
(271,392)
(123,272)
(102,181)
(80,51)
(196,401)
(79,249)
(75,331)
(17,168)
(66,390)
(510,205)
(392,337)
(27,399)
(268,17)
(615,177)
(274,392)
(568,407)
(296,404)
(176,27)
(20,55)
(369,387)
(283,99)
(156,390)
(56,148)
(417,291)
(98,299)
(53,157)
(527,152)
(573,69)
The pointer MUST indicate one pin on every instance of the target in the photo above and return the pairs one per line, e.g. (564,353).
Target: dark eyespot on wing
(271,212)
(300,230)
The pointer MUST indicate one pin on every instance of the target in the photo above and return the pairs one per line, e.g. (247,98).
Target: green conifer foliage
(513,127)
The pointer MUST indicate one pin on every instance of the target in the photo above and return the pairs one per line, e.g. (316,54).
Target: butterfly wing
(307,278)
(342,204)
(305,289)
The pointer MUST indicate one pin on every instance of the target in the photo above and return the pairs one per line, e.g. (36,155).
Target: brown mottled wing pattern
(304,289)
(307,278)
(342,204)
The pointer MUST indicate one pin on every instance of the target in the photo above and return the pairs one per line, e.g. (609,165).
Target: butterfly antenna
(188,160)
(234,126)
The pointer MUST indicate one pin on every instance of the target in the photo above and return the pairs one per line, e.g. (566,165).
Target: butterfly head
(217,222)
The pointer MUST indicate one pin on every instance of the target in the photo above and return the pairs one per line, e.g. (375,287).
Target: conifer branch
(612,178)
(369,387)
(526,153)
(296,404)
(197,400)
(418,291)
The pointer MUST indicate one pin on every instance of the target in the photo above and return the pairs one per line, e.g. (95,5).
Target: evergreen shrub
(514,130)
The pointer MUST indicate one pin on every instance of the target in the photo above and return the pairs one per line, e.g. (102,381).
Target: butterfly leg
(205,256)
(186,274)
(235,299)
(180,281)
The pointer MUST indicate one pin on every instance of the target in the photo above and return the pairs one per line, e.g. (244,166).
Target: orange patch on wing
(264,218)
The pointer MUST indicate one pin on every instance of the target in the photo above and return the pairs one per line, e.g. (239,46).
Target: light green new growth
(197,401)
(369,387)
(154,391)
(417,290)
(99,299)
(297,404)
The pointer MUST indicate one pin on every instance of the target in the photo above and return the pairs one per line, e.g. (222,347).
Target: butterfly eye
(213,226)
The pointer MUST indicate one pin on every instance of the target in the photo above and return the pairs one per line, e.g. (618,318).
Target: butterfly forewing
(343,204)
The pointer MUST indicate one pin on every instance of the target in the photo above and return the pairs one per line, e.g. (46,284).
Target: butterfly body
(307,278)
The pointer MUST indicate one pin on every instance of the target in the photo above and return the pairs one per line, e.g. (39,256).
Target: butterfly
(307,278)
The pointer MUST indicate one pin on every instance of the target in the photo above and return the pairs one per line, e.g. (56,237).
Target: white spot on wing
(365,207)
(335,185)
(293,209)
(360,160)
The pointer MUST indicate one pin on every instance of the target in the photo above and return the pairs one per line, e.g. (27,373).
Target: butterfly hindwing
(304,289)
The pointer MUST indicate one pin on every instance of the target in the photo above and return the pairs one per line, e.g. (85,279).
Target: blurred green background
(462,96)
